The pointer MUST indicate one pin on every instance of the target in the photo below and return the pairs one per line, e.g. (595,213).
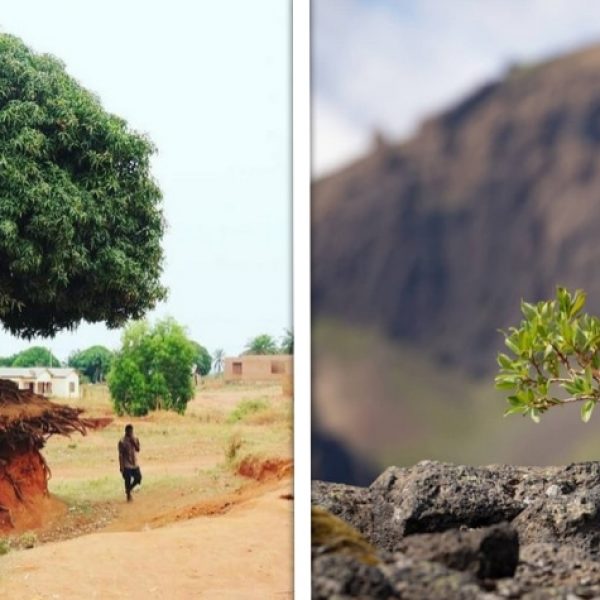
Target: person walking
(129,446)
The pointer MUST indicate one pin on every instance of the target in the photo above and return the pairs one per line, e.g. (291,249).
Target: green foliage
(153,369)
(4,546)
(218,360)
(7,361)
(262,344)
(27,540)
(80,215)
(287,342)
(203,359)
(245,408)
(94,362)
(555,357)
(36,356)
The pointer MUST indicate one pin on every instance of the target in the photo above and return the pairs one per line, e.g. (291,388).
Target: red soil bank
(26,422)
(264,469)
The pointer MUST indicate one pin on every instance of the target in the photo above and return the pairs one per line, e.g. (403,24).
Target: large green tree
(80,214)
(153,369)
(203,359)
(94,362)
(262,344)
(36,356)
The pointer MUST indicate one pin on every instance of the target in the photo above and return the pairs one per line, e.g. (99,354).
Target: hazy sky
(210,83)
(387,64)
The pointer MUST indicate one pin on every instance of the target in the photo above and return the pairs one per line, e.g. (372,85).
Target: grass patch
(232,447)
(4,546)
(245,408)
(27,540)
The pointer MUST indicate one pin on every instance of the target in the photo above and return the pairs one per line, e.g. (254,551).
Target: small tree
(36,356)
(153,369)
(218,360)
(287,342)
(94,362)
(262,344)
(555,357)
(202,360)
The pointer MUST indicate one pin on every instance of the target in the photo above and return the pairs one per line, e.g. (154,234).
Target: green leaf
(571,387)
(528,310)
(535,415)
(505,362)
(586,410)
(563,298)
(515,401)
(506,383)
(512,345)
(513,410)
(578,302)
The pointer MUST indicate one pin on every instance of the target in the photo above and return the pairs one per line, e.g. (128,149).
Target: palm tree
(287,342)
(262,344)
(218,360)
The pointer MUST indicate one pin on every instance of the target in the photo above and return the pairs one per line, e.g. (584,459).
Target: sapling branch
(556,346)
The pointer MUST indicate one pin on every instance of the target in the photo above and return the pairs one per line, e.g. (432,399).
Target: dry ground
(196,528)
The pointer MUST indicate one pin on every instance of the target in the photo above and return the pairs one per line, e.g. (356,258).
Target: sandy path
(244,553)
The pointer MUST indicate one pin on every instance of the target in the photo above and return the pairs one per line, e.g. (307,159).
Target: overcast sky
(210,83)
(387,64)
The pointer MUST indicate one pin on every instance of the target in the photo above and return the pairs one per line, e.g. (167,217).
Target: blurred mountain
(431,243)
(437,239)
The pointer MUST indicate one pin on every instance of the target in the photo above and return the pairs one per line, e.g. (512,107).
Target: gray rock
(569,518)
(351,503)
(337,576)
(488,553)
(566,567)
(434,497)
(428,523)
(420,579)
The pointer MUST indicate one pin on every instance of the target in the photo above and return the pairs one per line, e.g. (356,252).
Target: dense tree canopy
(262,344)
(203,359)
(94,362)
(153,369)
(80,214)
(36,356)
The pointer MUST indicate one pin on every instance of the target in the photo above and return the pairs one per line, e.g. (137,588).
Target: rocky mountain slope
(436,240)
(438,531)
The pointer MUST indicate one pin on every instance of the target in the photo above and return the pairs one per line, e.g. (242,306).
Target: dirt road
(245,552)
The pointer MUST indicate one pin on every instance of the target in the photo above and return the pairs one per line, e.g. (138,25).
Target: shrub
(4,546)
(554,357)
(28,540)
(233,446)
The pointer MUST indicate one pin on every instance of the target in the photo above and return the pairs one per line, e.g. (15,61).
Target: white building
(60,383)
